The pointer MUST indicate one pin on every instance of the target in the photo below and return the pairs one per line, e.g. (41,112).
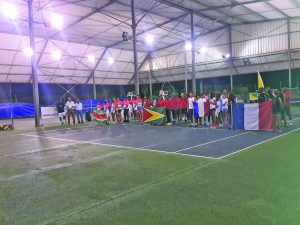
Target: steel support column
(150,75)
(230,59)
(94,87)
(135,56)
(289,52)
(193,55)
(185,74)
(35,86)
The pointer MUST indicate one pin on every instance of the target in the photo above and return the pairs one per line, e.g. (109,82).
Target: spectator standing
(79,107)
(61,111)
(70,105)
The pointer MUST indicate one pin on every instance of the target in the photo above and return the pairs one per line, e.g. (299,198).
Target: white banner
(49,112)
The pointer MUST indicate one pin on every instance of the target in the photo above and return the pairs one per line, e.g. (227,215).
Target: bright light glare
(110,60)
(149,39)
(91,58)
(188,46)
(56,55)
(57,21)
(9,10)
(28,51)
(227,56)
(203,50)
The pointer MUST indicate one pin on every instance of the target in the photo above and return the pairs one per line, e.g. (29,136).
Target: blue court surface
(197,142)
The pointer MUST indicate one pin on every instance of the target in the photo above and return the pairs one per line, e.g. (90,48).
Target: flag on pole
(260,81)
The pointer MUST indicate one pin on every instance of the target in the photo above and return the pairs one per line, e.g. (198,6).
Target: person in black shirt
(61,111)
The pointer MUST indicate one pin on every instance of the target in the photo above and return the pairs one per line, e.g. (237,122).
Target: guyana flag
(154,115)
(100,116)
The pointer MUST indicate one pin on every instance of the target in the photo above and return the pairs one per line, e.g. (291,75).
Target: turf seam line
(210,142)
(140,188)
(119,146)
(60,166)
(262,142)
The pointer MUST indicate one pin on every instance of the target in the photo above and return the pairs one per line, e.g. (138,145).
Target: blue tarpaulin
(90,104)
(16,110)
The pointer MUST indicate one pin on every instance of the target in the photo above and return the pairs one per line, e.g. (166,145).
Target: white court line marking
(262,142)
(8,143)
(207,143)
(41,150)
(59,129)
(119,146)
(61,166)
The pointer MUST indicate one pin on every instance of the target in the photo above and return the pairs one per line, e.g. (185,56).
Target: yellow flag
(260,81)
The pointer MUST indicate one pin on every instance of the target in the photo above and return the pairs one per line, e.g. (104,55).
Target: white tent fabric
(258,30)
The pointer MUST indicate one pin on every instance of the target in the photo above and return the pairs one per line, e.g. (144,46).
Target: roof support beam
(196,36)
(152,28)
(196,12)
(140,66)
(156,14)
(96,66)
(278,10)
(234,4)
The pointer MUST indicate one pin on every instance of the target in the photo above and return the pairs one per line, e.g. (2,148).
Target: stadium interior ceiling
(92,41)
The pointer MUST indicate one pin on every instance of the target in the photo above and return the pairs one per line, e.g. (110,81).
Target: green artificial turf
(257,186)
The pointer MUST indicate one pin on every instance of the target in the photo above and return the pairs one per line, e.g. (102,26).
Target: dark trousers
(79,116)
(168,115)
(288,112)
(175,114)
(69,114)
(126,115)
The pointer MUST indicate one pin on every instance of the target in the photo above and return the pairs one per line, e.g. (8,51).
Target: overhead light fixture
(188,46)
(110,60)
(203,50)
(91,58)
(124,36)
(149,39)
(57,21)
(9,10)
(28,51)
(56,55)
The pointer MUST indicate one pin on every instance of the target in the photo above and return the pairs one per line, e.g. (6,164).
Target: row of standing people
(204,110)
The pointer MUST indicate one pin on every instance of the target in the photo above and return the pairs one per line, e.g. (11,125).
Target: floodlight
(110,60)
(227,56)
(9,10)
(188,46)
(203,50)
(56,21)
(91,58)
(149,39)
(56,55)
(28,51)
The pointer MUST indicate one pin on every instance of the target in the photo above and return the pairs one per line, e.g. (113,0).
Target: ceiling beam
(195,12)
(140,66)
(96,65)
(151,28)
(234,4)
(196,36)
(276,9)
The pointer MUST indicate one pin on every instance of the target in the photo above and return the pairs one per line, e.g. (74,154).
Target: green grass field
(260,186)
